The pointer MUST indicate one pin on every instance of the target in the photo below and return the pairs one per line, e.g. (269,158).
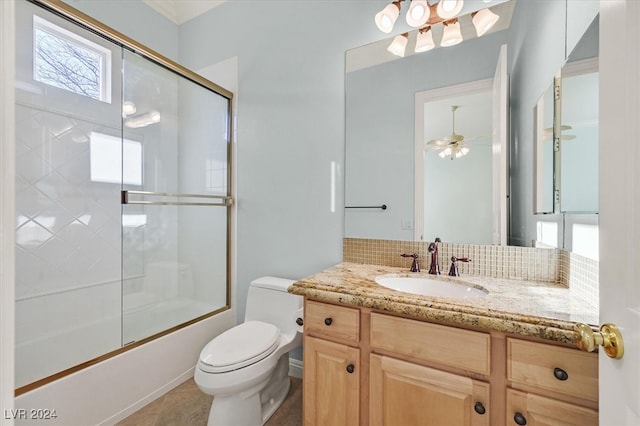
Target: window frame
(105,66)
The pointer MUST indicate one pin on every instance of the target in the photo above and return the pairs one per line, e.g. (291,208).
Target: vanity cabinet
(412,391)
(372,368)
(550,384)
(331,383)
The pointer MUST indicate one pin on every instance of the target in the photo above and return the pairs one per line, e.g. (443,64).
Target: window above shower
(68,61)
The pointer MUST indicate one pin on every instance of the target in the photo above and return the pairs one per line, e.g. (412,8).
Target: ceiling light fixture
(388,16)
(447,9)
(128,108)
(483,20)
(142,120)
(399,44)
(424,40)
(418,13)
(424,15)
(454,151)
(451,34)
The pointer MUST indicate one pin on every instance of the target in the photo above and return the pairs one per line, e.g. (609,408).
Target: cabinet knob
(560,374)
(350,368)
(299,321)
(328,321)
(519,419)
(479,408)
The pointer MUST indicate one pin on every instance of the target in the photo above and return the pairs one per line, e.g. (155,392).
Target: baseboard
(149,398)
(295,368)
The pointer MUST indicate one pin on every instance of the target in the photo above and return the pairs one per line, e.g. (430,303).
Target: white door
(620,206)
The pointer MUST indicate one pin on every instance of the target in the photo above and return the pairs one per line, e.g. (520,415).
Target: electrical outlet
(407,223)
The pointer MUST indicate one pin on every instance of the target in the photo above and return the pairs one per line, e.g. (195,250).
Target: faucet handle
(453,270)
(415,266)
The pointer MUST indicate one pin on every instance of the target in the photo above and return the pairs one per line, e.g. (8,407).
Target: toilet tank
(269,301)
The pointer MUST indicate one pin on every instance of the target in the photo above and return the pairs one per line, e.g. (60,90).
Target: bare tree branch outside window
(63,64)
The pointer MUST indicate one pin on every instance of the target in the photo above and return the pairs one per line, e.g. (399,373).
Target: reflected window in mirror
(579,137)
(547,234)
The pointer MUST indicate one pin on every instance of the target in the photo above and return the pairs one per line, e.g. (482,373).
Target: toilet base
(256,405)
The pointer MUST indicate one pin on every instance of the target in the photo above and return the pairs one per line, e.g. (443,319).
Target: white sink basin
(430,287)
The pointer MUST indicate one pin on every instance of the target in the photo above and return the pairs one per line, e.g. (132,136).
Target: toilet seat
(240,346)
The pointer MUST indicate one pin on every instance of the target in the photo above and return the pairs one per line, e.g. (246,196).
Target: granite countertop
(538,309)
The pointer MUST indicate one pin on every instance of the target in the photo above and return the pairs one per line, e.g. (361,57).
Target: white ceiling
(180,11)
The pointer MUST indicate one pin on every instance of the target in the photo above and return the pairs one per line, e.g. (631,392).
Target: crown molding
(181,11)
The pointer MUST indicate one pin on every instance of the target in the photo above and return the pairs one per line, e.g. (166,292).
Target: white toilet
(246,368)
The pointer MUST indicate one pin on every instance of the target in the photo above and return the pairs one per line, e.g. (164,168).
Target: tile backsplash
(578,273)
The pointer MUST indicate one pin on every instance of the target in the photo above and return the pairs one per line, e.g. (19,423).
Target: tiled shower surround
(578,273)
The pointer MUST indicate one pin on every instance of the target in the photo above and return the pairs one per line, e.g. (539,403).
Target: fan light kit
(453,146)
(423,15)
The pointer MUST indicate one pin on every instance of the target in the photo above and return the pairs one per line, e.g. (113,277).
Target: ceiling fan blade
(439,142)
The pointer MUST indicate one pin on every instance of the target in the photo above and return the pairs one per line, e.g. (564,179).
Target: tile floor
(186,405)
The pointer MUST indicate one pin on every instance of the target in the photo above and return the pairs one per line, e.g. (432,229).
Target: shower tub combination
(122,194)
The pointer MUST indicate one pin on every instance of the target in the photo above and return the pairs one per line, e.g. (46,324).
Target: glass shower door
(175,156)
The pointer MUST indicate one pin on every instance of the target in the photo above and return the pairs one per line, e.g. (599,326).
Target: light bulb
(448,9)
(387,17)
(399,44)
(424,40)
(418,13)
(451,34)
(128,108)
(483,20)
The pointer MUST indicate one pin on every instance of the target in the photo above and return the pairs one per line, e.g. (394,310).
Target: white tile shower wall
(68,228)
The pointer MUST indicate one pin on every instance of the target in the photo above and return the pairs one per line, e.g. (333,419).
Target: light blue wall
(136,20)
(290,125)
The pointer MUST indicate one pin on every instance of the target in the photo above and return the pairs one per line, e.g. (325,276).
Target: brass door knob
(609,337)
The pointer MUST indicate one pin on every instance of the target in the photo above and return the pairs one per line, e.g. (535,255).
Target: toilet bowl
(245,368)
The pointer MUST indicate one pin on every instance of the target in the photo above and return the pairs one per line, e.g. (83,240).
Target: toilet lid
(239,346)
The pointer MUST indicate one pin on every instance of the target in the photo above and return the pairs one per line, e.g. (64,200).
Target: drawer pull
(479,408)
(350,368)
(560,374)
(520,419)
(328,321)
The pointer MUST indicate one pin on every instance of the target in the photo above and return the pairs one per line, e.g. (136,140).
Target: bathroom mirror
(381,130)
(578,127)
(566,134)
(380,108)
(544,158)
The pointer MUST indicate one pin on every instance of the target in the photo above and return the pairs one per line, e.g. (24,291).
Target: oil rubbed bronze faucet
(415,265)
(453,270)
(434,269)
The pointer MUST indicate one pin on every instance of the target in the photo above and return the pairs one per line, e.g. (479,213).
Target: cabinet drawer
(440,344)
(554,368)
(337,322)
(532,409)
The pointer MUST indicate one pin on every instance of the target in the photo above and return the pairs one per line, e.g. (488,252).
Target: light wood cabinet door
(403,393)
(529,409)
(331,383)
